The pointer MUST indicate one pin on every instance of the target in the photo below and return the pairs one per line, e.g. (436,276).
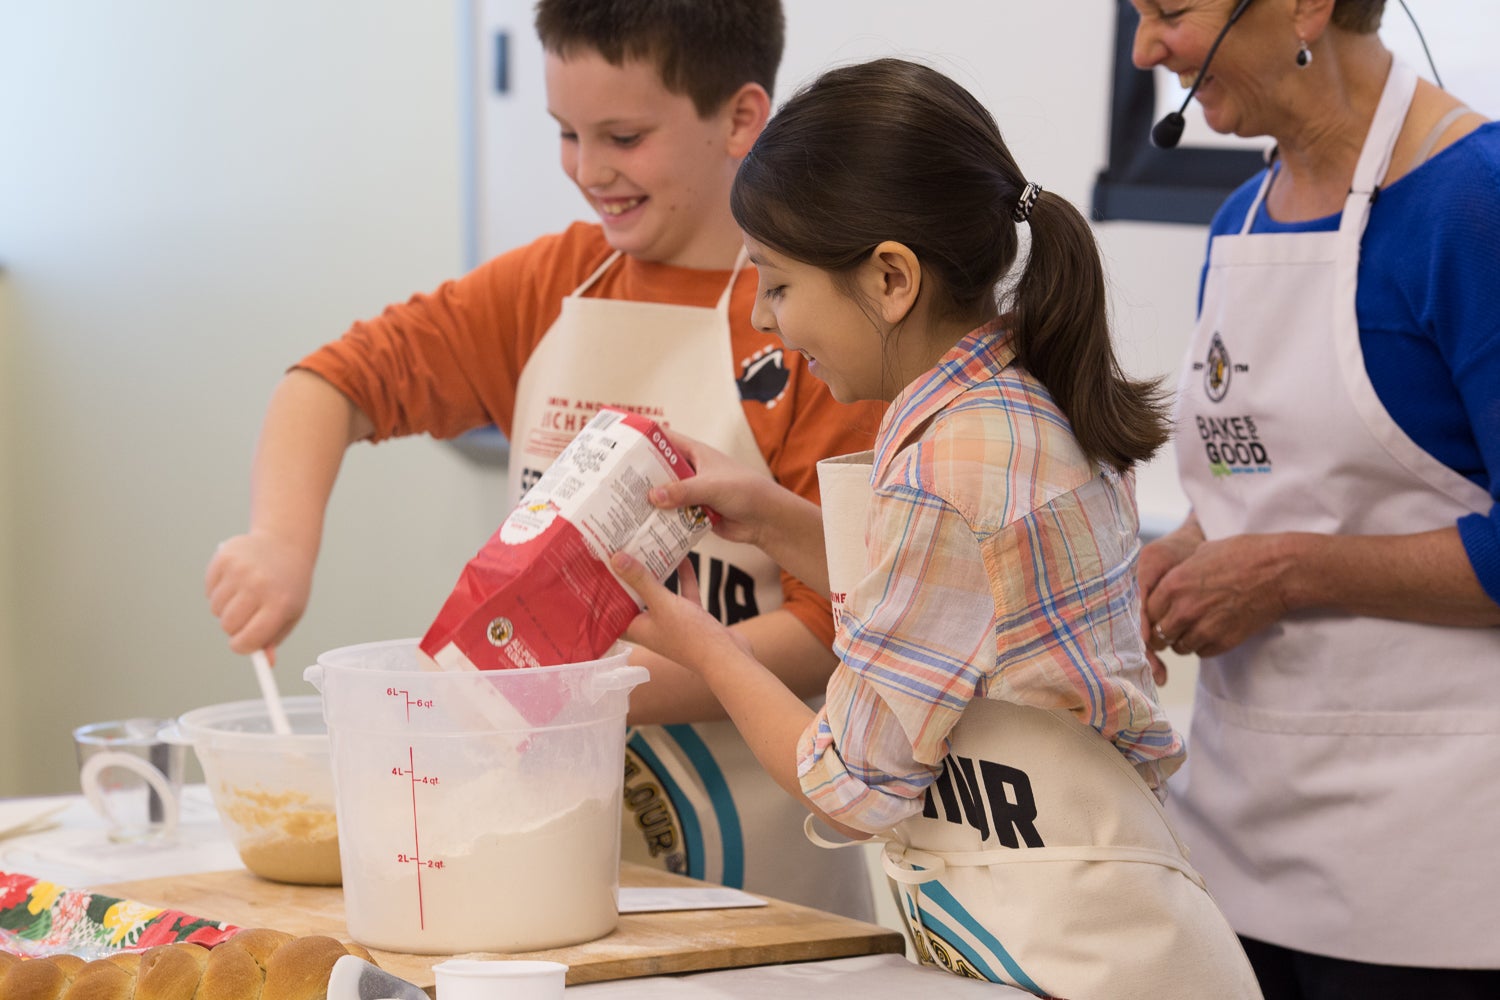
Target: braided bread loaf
(253,964)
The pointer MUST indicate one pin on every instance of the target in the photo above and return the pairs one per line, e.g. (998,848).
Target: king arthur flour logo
(1216,370)
(1231,443)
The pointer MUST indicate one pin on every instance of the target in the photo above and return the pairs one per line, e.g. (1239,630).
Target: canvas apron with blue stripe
(1042,859)
(696,800)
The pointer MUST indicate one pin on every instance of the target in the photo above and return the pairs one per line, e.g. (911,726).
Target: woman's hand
(1231,588)
(1156,560)
(1222,593)
(258,586)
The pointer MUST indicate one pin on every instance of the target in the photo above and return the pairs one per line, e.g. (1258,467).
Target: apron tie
(927,865)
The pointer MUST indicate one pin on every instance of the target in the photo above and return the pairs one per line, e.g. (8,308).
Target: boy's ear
(747,112)
(892,280)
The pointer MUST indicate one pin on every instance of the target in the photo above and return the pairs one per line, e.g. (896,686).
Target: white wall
(10,737)
(193,195)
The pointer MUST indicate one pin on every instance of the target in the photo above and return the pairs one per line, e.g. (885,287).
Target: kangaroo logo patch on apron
(763,377)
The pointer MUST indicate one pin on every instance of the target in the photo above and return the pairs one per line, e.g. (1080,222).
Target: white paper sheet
(659,899)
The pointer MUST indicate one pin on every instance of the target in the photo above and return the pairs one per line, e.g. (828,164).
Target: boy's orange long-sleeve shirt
(448,361)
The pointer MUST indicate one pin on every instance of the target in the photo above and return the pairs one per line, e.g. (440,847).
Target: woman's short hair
(1359,17)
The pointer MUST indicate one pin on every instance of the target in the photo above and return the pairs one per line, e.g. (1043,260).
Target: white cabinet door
(514,189)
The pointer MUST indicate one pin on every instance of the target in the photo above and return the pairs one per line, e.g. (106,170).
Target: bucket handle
(616,679)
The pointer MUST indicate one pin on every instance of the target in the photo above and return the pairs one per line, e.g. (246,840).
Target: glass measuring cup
(132,776)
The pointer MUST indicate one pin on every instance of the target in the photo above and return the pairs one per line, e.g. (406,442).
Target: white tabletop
(74,852)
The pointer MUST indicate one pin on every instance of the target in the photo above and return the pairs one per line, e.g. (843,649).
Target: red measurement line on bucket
(415,857)
(410,701)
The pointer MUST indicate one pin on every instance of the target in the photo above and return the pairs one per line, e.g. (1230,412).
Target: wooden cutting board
(644,944)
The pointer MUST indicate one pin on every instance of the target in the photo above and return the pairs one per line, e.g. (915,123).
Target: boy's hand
(257,586)
(675,627)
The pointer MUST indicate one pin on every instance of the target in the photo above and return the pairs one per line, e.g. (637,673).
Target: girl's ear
(892,280)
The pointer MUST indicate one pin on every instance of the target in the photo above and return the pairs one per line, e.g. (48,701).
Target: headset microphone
(1166,133)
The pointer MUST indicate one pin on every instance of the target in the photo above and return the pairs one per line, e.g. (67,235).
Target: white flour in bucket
(551,885)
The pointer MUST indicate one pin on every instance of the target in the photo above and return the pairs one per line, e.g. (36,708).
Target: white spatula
(279,724)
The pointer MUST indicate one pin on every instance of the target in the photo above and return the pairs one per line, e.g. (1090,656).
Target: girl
(993,717)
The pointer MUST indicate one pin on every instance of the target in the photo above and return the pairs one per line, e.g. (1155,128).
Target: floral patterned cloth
(43,918)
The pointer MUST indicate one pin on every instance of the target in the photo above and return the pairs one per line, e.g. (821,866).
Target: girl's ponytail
(1061,326)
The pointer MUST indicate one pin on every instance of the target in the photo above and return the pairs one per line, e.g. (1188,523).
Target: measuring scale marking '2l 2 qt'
(462,827)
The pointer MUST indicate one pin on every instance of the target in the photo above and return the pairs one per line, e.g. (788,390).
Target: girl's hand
(676,627)
(742,498)
(752,509)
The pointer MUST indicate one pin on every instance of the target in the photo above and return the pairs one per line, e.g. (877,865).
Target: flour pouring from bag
(541,592)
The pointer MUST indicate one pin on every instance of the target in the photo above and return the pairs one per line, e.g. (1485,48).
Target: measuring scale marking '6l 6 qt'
(415,857)
(461,826)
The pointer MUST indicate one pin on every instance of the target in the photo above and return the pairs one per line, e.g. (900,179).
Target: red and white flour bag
(541,592)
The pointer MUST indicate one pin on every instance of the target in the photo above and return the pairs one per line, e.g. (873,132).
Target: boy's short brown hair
(703,49)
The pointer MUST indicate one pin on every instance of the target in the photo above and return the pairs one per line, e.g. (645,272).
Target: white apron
(696,800)
(1340,795)
(1042,859)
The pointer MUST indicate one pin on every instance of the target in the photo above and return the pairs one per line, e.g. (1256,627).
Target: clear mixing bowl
(274,793)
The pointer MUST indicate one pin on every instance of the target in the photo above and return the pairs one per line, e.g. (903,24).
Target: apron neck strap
(1390,113)
(739,263)
(1374,155)
(740,259)
(598,273)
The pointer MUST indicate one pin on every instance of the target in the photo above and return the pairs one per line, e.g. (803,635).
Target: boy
(657,101)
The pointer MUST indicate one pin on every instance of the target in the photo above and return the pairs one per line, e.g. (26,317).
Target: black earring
(1304,54)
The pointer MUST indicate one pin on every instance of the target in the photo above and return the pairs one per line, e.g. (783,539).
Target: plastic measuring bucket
(462,825)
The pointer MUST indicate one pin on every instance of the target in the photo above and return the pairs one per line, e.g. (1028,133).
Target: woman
(1339,439)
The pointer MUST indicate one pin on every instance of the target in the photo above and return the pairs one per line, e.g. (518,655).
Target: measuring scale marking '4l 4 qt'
(462,827)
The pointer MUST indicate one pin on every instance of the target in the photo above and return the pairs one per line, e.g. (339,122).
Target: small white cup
(472,979)
(132,776)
